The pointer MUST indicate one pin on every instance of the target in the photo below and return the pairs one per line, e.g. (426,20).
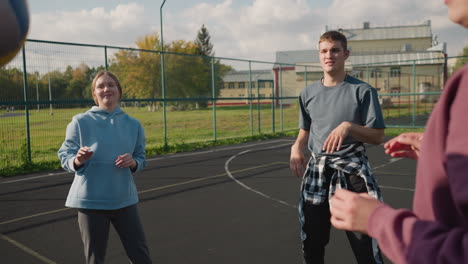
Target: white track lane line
(27,250)
(391,187)
(226,168)
(169,156)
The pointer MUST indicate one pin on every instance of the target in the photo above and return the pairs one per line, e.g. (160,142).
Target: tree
(462,60)
(139,72)
(204,46)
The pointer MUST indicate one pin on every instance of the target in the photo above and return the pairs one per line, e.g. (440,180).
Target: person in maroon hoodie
(436,230)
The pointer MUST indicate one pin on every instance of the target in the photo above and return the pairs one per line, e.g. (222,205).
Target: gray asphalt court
(230,204)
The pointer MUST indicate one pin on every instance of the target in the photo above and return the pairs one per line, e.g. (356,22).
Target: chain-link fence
(182,98)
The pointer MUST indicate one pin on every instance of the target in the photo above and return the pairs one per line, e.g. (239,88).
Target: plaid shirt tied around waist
(314,185)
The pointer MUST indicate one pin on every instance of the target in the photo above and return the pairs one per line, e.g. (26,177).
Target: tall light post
(163,81)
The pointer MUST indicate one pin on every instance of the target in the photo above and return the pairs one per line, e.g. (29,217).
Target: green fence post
(26,104)
(213,94)
(305,76)
(273,102)
(367,73)
(414,95)
(281,97)
(258,106)
(163,81)
(163,94)
(250,99)
(105,58)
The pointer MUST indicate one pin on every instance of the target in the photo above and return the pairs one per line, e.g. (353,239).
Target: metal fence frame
(214,99)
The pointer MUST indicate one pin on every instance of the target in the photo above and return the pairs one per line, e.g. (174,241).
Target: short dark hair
(110,74)
(335,36)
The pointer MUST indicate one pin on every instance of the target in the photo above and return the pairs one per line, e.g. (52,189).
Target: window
(231,85)
(261,84)
(395,90)
(406,47)
(376,73)
(242,85)
(395,72)
(253,84)
(356,74)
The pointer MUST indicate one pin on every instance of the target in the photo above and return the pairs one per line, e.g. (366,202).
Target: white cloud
(119,26)
(252,30)
(264,12)
(346,13)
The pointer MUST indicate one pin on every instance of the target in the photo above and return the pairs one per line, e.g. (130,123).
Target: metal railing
(49,82)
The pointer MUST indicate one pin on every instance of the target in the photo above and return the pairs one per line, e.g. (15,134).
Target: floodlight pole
(163,81)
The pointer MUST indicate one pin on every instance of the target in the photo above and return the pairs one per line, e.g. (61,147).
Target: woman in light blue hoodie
(104,146)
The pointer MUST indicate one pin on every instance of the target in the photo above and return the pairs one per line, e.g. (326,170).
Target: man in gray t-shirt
(324,108)
(338,114)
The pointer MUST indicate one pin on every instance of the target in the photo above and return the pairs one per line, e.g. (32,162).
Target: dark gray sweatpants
(94,227)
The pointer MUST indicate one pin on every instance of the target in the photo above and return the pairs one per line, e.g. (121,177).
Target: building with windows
(393,59)
(237,84)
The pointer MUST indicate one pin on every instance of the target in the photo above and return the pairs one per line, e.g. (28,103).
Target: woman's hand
(405,145)
(351,211)
(126,161)
(83,154)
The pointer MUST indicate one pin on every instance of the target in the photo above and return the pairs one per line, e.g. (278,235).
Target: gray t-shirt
(323,108)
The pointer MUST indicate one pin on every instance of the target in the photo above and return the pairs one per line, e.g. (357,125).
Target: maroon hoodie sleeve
(405,238)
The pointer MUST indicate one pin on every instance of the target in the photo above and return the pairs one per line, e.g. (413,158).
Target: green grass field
(186,130)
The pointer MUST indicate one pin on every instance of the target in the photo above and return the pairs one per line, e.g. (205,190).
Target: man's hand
(83,154)
(351,211)
(297,161)
(405,145)
(336,137)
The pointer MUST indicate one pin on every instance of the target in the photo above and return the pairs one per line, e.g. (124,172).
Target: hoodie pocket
(102,180)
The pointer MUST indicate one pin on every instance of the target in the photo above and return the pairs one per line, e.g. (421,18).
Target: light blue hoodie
(99,184)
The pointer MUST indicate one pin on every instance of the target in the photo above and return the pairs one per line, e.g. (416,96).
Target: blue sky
(246,29)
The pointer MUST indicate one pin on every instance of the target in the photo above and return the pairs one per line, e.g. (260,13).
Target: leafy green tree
(78,81)
(11,85)
(187,69)
(140,71)
(462,60)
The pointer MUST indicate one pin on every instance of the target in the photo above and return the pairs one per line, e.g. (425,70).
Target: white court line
(27,250)
(392,160)
(153,159)
(391,187)
(140,192)
(226,168)
(396,188)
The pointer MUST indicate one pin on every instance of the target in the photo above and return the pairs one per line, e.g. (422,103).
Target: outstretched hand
(406,145)
(351,211)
